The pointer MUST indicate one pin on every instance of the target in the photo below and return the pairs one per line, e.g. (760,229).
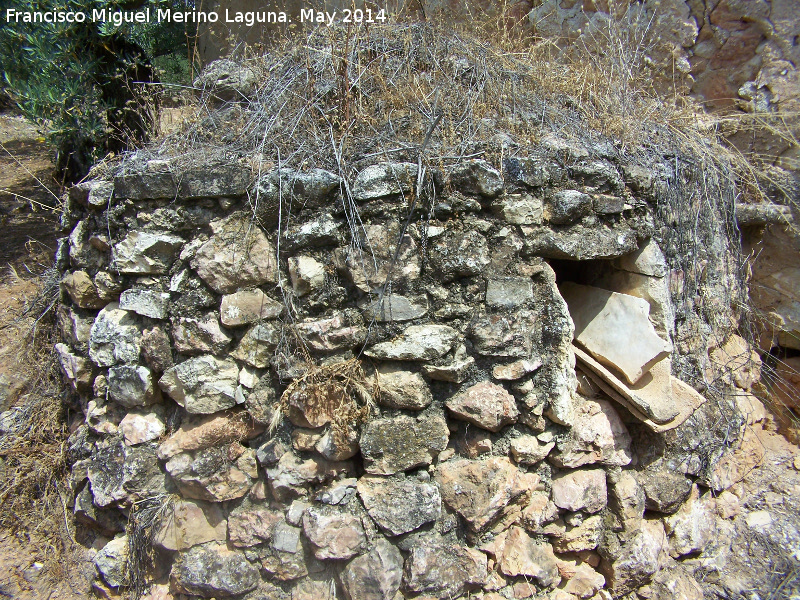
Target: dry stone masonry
(479,400)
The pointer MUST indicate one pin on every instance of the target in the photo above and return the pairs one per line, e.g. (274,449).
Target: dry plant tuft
(338,393)
(33,443)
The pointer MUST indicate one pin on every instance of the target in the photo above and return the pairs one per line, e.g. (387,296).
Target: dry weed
(33,438)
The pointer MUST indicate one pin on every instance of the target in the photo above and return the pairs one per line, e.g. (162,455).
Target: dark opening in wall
(584,272)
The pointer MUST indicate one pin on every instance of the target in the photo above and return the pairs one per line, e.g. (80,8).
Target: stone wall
(389,384)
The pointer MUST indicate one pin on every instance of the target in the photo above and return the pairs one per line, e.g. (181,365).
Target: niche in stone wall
(623,334)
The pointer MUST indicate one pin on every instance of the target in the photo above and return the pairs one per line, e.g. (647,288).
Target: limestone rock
(522,556)
(202,385)
(309,189)
(520,209)
(394,308)
(459,254)
(81,290)
(338,445)
(455,371)
(597,436)
(250,525)
(192,522)
(505,335)
(292,476)
(132,386)
(237,255)
(214,474)
(106,521)
(484,404)
(581,242)
(508,292)
(156,349)
(399,504)
(647,260)
(664,489)
(115,337)
(638,560)
(402,389)
(148,303)
(692,527)
(444,569)
(675,583)
(584,583)
(418,342)
(248,306)
(367,263)
(583,489)
(515,370)
(314,233)
(578,538)
(384,179)
(139,426)
(338,332)
(484,491)
(533,172)
(79,371)
(198,432)
(390,445)
(307,275)
(626,499)
(227,80)
(118,472)
(476,177)
(257,346)
(112,561)
(527,450)
(75,327)
(144,252)
(376,575)
(192,336)
(601,317)
(741,364)
(568,206)
(211,570)
(334,534)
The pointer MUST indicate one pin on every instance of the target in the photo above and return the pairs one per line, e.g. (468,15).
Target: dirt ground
(29,218)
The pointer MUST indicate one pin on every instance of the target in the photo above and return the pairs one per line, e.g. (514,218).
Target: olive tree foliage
(91,87)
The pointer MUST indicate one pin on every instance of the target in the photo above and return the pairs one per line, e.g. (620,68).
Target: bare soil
(28,225)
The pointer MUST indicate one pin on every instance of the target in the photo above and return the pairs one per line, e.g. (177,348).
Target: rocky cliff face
(410,380)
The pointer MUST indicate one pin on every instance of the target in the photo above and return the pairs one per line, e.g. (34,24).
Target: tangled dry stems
(33,446)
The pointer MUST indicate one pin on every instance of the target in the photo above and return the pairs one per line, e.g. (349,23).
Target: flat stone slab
(615,329)
(673,404)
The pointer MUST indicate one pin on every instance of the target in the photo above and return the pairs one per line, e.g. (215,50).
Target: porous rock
(202,385)
(484,491)
(582,489)
(237,255)
(484,404)
(334,534)
(417,342)
(214,474)
(390,445)
(115,337)
(444,569)
(212,570)
(399,504)
(143,252)
(375,575)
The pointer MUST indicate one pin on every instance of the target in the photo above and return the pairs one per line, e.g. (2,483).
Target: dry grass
(337,393)
(33,491)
